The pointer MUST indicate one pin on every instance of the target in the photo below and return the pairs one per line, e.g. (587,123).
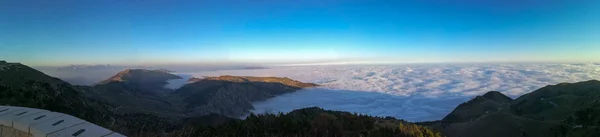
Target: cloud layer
(373,103)
(413,92)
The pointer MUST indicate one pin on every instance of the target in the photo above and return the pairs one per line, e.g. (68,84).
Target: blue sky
(63,32)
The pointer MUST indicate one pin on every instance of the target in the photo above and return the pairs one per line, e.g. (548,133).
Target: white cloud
(418,79)
(178,83)
(372,103)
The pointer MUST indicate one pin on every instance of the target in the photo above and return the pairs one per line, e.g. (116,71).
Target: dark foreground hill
(566,109)
(316,122)
(21,85)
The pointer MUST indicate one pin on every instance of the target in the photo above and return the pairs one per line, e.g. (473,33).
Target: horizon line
(308,64)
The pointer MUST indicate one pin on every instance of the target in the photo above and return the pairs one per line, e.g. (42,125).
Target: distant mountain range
(92,74)
(121,67)
(78,67)
(135,102)
(255,67)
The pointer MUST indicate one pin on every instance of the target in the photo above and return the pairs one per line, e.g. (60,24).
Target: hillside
(230,95)
(489,102)
(139,82)
(21,85)
(136,91)
(146,82)
(570,109)
(25,86)
(556,102)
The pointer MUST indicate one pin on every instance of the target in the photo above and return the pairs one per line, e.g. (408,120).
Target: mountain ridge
(553,110)
(144,91)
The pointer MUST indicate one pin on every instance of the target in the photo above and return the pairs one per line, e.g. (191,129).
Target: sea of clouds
(414,92)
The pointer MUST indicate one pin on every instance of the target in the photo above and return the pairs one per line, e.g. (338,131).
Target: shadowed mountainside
(489,102)
(566,109)
(136,91)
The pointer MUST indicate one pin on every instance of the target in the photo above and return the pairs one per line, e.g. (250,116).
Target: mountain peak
(497,96)
(137,75)
(489,102)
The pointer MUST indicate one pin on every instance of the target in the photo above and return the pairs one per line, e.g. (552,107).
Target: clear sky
(59,32)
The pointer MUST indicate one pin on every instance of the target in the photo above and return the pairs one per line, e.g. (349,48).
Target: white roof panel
(44,123)
(53,125)
(82,130)
(24,123)
(8,109)
(8,119)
